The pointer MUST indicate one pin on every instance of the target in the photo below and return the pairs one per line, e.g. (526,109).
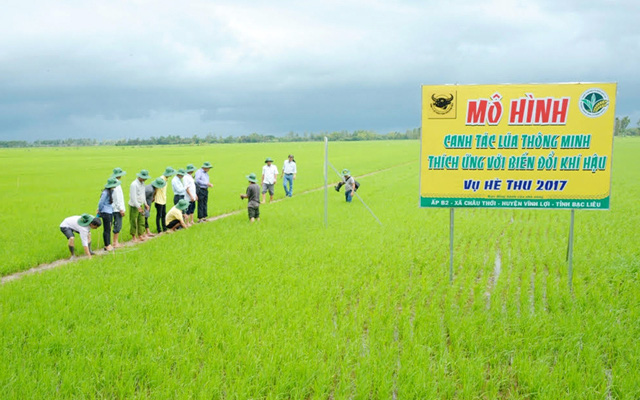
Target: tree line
(621,127)
(357,135)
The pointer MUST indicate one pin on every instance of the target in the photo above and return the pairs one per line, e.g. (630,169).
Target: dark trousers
(107,219)
(161,214)
(203,198)
(176,198)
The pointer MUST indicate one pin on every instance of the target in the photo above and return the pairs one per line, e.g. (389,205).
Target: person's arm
(133,196)
(103,198)
(200,181)
(275,175)
(118,200)
(295,170)
(85,238)
(181,219)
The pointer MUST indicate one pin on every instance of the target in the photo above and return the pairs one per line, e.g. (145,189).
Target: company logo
(594,102)
(442,103)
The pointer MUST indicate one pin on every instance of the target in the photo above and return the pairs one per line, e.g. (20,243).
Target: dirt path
(129,245)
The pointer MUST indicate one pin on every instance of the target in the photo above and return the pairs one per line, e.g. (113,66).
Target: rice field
(287,308)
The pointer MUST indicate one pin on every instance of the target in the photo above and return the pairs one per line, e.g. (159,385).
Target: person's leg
(147,231)
(106,229)
(140,224)
(176,199)
(117,226)
(133,220)
(206,203)
(201,193)
(68,233)
(158,217)
(348,195)
(264,192)
(284,185)
(192,211)
(271,192)
(290,185)
(173,225)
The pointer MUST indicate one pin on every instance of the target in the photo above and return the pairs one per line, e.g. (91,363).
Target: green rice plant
(286,308)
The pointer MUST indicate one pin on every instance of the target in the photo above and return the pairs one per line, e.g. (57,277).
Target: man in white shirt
(269,178)
(137,206)
(289,172)
(82,225)
(118,206)
(190,194)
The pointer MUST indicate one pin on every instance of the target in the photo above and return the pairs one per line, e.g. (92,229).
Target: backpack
(342,183)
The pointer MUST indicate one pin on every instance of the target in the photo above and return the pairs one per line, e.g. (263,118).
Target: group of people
(190,186)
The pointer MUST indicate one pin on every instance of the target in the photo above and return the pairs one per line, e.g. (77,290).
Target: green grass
(45,186)
(288,309)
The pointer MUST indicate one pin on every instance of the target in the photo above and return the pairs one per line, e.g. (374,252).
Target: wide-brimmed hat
(346,172)
(169,171)
(85,220)
(206,164)
(118,172)
(182,205)
(159,183)
(190,168)
(112,182)
(143,174)
(181,171)
(252,177)
(269,159)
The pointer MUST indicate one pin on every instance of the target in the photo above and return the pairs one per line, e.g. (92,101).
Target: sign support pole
(570,251)
(326,182)
(451,245)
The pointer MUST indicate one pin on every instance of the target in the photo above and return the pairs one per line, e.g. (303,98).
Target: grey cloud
(238,67)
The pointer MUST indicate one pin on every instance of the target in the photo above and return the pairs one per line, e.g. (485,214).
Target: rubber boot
(91,251)
(72,250)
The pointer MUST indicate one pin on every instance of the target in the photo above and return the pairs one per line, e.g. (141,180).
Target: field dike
(130,245)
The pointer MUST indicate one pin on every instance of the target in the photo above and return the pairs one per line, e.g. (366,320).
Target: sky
(137,68)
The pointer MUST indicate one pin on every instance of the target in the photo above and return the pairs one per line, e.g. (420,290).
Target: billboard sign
(517,146)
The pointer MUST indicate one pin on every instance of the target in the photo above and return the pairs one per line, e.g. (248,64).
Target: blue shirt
(178,187)
(104,206)
(202,179)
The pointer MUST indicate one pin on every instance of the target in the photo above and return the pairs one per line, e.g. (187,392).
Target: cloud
(142,68)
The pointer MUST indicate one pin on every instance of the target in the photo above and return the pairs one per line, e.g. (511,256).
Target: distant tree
(620,127)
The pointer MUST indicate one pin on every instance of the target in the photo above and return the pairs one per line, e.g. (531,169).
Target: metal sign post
(570,251)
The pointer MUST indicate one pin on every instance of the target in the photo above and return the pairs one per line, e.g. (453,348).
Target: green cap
(206,164)
(159,183)
(182,205)
(118,172)
(190,168)
(112,182)
(181,171)
(85,220)
(269,159)
(346,172)
(169,172)
(252,177)
(144,174)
